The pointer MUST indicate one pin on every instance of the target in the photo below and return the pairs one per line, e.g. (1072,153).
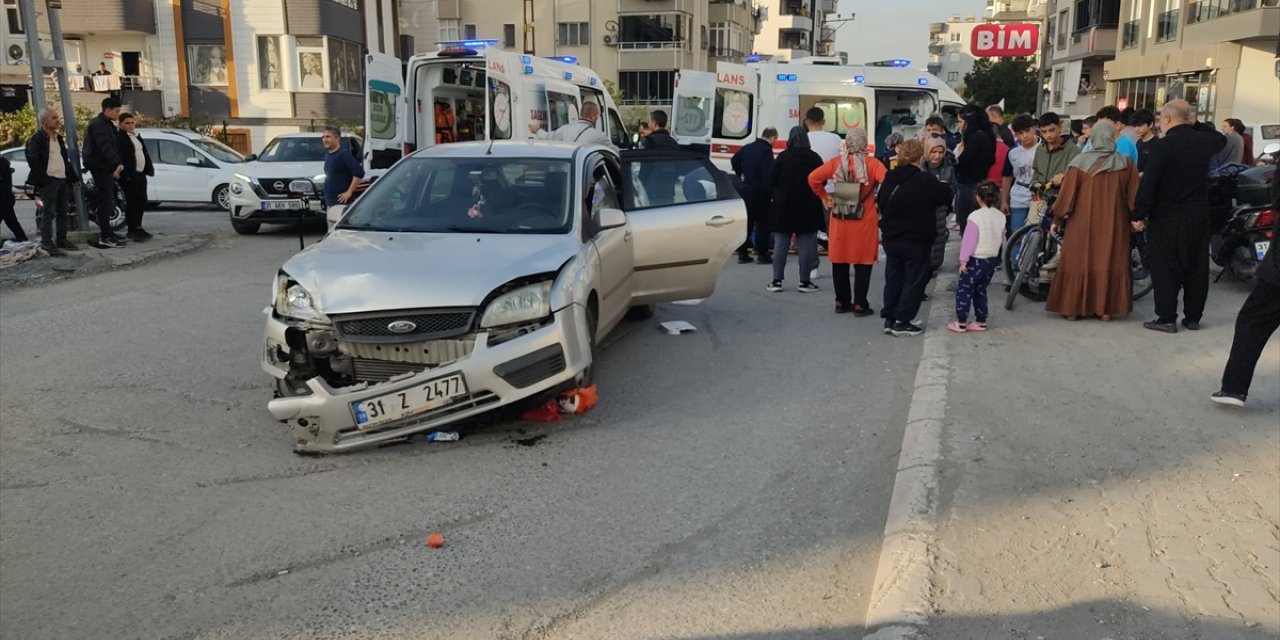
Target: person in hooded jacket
(796,210)
(939,163)
(977,156)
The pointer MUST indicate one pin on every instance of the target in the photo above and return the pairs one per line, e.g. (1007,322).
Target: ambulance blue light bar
(786,77)
(755,57)
(469,44)
(568,59)
(900,63)
(859,79)
(924,82)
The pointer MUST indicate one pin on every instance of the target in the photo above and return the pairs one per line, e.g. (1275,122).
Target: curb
(902,594)
(103,264)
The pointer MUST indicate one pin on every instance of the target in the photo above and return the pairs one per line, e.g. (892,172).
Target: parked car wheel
(243,227)
(222,197)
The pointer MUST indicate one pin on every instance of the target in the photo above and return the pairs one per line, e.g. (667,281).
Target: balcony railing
(1132,31)
(725,52)
(1206,10)
(1167,26)
(105,84)
(675,44)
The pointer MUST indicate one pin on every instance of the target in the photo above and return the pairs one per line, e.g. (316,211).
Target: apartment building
(950,53)
(257,67)
(638,44)
(1082,36)
(795,29)
(1219,55)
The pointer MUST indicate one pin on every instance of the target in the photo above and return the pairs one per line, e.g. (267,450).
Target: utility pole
(40,99)
(813,27)
(1044,57)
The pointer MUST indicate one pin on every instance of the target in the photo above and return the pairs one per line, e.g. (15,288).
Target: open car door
(693,105)
(686,219)
(385,111)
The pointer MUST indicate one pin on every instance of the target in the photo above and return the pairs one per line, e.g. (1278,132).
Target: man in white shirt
(584,131)
(824,143)
(133,180)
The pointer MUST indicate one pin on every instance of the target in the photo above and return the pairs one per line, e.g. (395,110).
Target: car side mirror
(251,157)
(334,214)
(195,162)
(612,219)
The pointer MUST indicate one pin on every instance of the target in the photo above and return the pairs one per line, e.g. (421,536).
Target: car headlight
(525,304)
(294,301)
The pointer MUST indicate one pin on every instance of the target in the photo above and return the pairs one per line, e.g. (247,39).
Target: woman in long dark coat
(939,163)
(796,209)
(1095,277)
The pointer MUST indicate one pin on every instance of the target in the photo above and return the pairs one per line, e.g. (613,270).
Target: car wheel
(641,312)
(222,197)
(244,227)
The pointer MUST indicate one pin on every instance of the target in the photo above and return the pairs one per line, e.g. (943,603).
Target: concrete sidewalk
(176,232)
(1089,489)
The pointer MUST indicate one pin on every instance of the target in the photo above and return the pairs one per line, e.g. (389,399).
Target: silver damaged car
(473,276)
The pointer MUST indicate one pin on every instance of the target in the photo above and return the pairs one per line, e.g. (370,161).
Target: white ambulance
(470,90)
(730,107)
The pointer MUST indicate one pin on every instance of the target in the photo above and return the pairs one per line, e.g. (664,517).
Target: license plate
(281,205)
(407,402)
(1261,248)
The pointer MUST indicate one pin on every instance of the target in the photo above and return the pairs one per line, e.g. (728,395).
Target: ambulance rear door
(693,106)
(737,108)
(501,99)
(385,111)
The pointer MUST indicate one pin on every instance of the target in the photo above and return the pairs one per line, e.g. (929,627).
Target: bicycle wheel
(1142,284)
(1013,248)
(1030,253)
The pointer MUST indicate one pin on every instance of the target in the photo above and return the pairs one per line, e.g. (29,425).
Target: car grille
(426,325)
(432,353)
(369,370)
(277,186)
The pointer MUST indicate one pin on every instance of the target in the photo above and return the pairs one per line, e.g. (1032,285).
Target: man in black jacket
(137,167)
(52,176)
(752,164)
(102,158)
(1173,206)
(1258,319)
(908,201)
(658,136)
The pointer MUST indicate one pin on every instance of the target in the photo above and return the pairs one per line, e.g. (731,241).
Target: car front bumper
(496,376)
(247,206)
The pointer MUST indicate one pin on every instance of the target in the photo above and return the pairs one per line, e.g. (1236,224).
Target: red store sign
(1005,40)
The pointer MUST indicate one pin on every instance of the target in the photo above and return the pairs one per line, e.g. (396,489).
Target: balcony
(727,54)
(656,55)
(655,6)
(1213,21)
(794,40)
(1093,42)
(108,16)
(1132,33)
(1167,26)
(731,12)
(140,94)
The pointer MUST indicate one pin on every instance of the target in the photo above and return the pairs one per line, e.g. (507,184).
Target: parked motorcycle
(1242,216)
(90,197)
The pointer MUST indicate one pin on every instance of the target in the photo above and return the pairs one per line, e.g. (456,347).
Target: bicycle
(1034,249)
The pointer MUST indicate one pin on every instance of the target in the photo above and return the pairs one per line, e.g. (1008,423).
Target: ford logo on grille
(279,185)
(401,326)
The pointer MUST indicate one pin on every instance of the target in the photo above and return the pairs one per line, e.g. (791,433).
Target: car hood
(362,271)
(258,169)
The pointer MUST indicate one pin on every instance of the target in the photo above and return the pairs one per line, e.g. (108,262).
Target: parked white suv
(189,167)
(260,192)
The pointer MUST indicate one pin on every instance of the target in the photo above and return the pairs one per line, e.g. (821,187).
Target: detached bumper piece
(530,369)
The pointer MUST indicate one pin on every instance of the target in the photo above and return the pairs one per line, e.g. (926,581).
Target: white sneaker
(814,275)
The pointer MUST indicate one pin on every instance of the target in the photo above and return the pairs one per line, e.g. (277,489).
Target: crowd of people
(1101,181)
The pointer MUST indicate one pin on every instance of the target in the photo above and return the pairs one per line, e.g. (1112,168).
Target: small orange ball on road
(435,540)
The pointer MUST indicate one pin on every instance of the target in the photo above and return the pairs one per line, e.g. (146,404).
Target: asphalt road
(733,482)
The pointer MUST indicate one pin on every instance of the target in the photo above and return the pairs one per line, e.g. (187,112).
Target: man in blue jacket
(751,165)
(342,172)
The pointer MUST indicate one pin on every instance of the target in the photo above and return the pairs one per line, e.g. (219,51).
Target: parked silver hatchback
(473,276)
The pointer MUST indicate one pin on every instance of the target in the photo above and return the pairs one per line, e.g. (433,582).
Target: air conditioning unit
(16,54)
(611,39)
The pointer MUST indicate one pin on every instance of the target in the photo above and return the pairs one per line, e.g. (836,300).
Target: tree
(1010,79)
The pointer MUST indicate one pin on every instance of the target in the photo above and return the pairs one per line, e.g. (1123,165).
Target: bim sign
(1005,40)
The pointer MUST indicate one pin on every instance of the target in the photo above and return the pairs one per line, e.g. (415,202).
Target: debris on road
(14,252)
(435,540)
(692,302)
(442,436)
(677,327)
(573,402)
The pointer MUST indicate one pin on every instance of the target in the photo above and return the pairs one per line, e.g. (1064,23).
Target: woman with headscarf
(1094,275)
(796,210)
(939,163)
(853,243)
(976,158)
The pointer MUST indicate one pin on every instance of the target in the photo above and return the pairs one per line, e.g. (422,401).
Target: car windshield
(468,195)
(293,150)
(219,151)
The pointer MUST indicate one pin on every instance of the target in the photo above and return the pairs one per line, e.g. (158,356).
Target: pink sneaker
(956,327)
(976,326)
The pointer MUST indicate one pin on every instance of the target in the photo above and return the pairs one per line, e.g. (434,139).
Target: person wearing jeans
(52,176)
(907,202)
(796,210)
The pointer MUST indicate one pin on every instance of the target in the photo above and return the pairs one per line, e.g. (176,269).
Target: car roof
(504,149)
(181,133)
